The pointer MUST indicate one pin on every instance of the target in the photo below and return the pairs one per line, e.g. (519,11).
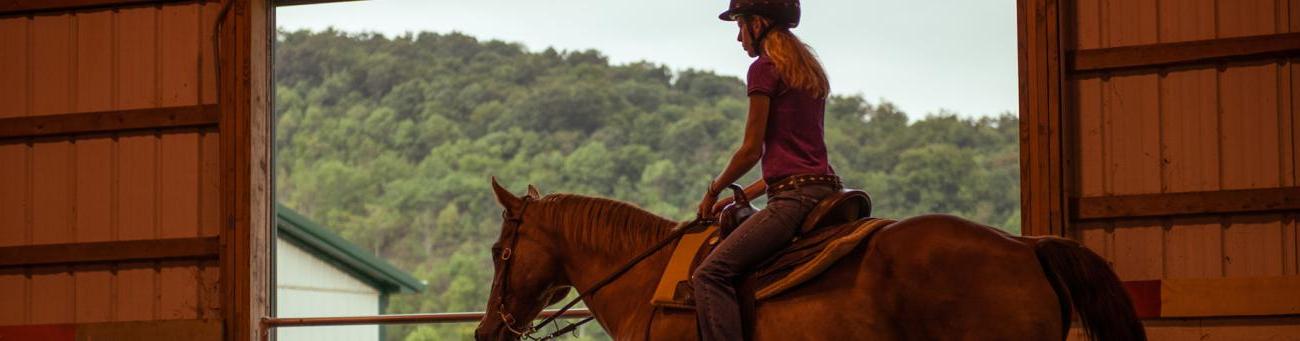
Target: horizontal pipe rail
(274,322)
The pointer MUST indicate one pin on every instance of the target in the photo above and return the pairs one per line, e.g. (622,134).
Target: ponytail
(795,62)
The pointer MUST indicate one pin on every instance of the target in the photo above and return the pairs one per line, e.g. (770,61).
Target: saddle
(836,226)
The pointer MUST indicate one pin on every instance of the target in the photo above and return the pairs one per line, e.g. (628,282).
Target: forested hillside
(391,142)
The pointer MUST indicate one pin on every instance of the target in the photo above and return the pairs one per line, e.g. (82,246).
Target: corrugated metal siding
(309,287)
(1186,130)
(105,187)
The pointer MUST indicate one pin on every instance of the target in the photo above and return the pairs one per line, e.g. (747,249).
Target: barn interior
(135,163)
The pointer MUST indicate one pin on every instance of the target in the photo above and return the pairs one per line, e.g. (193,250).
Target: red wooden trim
(1189,203)
(1145,296)
(107,121)
(104,252)
(49,332)
(1215,297)
(1191,52)
(37,6)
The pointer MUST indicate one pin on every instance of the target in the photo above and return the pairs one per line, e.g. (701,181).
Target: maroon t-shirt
(795,140)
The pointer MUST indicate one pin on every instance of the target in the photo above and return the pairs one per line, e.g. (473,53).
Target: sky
(925,56)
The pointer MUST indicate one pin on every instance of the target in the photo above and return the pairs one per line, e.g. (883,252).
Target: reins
(506,256)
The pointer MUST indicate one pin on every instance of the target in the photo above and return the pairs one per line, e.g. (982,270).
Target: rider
(787,100)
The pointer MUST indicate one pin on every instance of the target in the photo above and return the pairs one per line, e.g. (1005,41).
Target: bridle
(513,224)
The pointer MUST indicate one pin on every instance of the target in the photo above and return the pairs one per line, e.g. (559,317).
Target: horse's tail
(1083,279)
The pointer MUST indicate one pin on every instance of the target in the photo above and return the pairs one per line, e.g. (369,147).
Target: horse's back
(927,277)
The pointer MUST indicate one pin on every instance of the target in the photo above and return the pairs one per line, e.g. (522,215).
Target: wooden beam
(244,84)
(1183,53)
(1190,203)
(109,252)
(282,3)
(1042,162)
(109,121)
(1216,297)
(11,7)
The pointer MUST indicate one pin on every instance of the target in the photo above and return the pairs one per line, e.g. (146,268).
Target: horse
(923,278)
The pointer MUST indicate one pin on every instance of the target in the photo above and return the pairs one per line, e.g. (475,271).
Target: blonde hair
(795,61)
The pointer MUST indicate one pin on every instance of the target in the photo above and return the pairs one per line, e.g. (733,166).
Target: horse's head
(528,271)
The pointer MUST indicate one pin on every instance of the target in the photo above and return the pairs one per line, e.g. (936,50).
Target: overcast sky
(923,55)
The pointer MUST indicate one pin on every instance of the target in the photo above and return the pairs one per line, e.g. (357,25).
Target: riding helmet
(781,12)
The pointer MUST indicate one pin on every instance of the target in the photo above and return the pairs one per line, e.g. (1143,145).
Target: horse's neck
(622,306)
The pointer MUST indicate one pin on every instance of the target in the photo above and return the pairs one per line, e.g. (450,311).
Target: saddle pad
(803,260)
(679,266)
(832,252)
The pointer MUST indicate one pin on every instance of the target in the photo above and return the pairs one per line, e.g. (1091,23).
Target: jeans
(756,240)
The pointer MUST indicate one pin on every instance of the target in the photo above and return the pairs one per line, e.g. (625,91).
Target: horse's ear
(533,192)
(507,199)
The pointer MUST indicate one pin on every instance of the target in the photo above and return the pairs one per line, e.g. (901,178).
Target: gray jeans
(754,241)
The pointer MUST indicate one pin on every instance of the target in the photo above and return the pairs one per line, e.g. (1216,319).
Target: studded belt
(795,181)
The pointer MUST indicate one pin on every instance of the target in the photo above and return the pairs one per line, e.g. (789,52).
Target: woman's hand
(706,209)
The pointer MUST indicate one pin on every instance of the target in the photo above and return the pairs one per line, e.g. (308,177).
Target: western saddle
(845,206)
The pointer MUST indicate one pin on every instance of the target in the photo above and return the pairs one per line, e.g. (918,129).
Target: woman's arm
(748,155)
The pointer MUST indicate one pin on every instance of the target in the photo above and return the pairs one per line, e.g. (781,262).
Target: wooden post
(1042,160)
(244,65)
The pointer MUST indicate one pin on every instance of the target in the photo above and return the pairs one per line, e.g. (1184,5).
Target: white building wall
(307,286)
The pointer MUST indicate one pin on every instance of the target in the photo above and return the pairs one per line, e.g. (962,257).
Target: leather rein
(507,255)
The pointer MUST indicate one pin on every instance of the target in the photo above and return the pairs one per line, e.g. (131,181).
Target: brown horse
(925,278)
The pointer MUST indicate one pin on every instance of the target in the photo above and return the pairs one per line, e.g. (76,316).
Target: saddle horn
(735,213)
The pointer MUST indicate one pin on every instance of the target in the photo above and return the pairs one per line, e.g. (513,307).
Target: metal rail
(270,323)
(274,322)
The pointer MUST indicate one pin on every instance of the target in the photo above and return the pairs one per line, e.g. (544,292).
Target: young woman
(787,98)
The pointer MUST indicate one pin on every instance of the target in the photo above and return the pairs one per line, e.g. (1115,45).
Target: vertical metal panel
(1249,134)
(1131,106)
(137,213)
(1128,22)
(94,162)
(1186,20)
(137,87)
(13,66)
(208,12)
(1087,21)
(1253,246)
(1092,169)
(51,212)
(210,222)
(137,57)
(1190,152)
(14,200)
(1238,18)
(1194,248)
(179,185)
(51,290)
(14,228)
(51,56)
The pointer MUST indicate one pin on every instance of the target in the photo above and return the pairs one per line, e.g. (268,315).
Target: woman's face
(745,37)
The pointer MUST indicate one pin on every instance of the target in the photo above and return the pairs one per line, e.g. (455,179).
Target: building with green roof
(318,273)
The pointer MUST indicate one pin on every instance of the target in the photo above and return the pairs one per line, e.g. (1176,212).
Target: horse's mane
(592,221)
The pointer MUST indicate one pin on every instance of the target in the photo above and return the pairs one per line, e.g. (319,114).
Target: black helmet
(780,12)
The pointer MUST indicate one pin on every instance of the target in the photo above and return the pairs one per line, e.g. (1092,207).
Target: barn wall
(1178,153)
(1214,127)
(110,186)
